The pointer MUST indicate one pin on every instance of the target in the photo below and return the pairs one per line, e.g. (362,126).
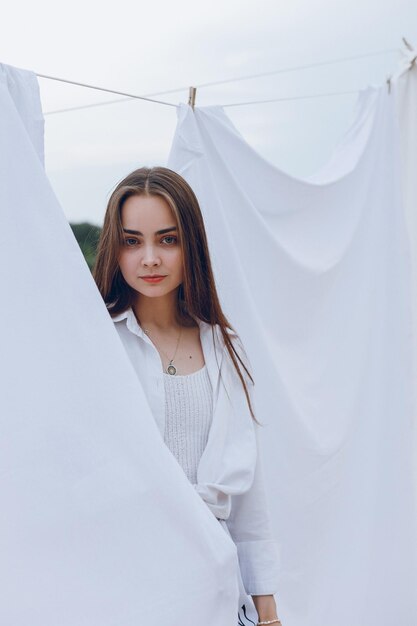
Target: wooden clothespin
(411,49)
(191,97)
(407,63)
(408,44)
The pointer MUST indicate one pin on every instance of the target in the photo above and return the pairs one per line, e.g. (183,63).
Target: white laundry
(315,276)
(99,526)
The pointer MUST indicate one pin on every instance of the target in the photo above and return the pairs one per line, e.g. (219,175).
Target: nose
(150,257)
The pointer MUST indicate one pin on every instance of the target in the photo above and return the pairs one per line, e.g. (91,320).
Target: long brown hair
(197,295)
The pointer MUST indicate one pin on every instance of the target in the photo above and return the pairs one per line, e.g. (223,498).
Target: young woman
(154,273)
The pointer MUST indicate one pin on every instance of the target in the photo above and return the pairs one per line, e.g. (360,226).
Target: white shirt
(229,473)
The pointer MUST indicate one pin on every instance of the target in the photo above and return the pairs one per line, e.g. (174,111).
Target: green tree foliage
(87,236)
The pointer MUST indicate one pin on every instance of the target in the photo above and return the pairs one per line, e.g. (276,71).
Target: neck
(157,312)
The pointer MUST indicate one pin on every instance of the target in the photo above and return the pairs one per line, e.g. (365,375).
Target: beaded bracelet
(270,621)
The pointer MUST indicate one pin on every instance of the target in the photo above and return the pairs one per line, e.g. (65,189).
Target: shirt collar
(135,328)
(131,322)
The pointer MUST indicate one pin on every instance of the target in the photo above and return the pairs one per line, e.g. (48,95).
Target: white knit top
(188,416)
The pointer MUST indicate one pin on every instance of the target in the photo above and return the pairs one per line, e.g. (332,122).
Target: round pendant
(171,369)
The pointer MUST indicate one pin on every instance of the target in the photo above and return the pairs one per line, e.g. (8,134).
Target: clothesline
(317,95)
(295,68)
(121,93)
(150,97)
(234,104)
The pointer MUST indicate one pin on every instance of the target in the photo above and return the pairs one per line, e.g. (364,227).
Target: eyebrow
(158,232)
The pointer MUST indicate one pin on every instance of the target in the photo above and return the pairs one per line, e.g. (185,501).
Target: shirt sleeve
(249,525)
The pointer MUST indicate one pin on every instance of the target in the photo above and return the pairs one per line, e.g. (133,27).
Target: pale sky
(142,48)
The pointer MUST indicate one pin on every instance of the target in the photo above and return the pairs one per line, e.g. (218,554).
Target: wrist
(266,608)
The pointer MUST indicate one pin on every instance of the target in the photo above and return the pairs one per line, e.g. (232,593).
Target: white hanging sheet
(315,276)
(99,525)
(405,91)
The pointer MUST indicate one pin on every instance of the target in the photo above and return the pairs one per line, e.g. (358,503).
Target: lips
(153,279)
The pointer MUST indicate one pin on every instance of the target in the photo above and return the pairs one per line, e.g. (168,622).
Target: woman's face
(151,246)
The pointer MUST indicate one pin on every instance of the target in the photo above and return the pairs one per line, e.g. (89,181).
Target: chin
(154,292)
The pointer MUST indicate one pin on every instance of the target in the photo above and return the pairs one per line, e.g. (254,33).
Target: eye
(172,239)
(130,239)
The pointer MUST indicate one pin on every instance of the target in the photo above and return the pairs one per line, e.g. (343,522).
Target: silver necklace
(171,369)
